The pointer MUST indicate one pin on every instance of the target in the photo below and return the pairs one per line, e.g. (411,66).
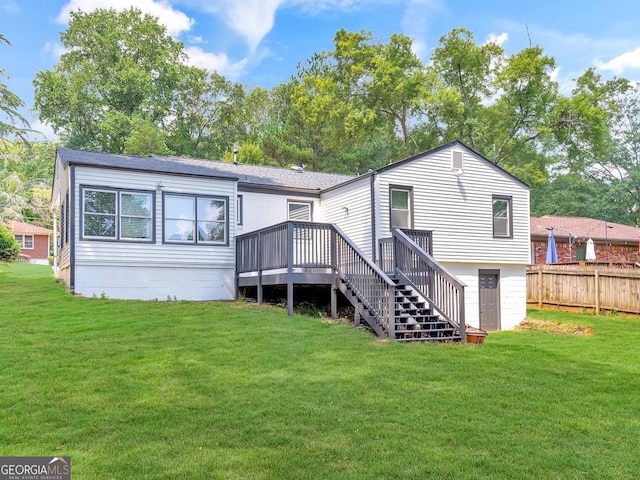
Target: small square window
(299,212)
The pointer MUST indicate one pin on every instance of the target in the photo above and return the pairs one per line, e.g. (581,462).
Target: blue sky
(260,42)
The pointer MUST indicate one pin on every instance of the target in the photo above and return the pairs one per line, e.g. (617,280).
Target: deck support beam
(334,299)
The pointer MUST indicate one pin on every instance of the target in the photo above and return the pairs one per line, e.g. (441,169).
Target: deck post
(334,268)
(461,319)
(334,298)
(290,268)
(260,294)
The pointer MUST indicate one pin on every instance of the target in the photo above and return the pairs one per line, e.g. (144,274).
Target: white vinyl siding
(262,210)
(197,271)
(349,207)
(459,210)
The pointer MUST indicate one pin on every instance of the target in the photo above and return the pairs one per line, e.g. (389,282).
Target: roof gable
(455,143)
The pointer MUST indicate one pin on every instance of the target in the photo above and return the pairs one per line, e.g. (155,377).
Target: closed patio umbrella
(552,252)
(590,254)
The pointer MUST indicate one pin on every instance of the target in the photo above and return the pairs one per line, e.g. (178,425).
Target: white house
(166,227)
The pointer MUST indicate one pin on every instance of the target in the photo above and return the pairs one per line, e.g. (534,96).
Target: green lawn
(187,390)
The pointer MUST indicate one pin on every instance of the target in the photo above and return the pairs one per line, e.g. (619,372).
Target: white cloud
(498,39)
(218,62)
(251,19)
(626,61)
(54,49)
(174,20)
(416,21)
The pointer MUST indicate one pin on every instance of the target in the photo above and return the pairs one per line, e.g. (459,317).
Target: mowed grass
(189,390)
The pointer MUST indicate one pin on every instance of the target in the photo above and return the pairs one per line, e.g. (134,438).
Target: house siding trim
(142,170)
(71,220)
(374,233)
(300,192)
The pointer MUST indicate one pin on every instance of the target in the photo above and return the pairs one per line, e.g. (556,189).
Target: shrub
(9,247)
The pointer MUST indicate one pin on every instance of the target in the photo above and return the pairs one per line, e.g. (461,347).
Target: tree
(364,92)
(117,65)
(145,139)
(12,123)
(26,173)
(209,116)
(9,247)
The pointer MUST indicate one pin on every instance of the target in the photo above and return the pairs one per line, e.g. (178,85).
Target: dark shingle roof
(245,174)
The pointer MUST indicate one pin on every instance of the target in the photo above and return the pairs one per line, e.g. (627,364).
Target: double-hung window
(25,241)
(400,207)
(196,219)
(502,216)
(111,214)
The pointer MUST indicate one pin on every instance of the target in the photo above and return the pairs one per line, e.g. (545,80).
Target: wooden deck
(305,253)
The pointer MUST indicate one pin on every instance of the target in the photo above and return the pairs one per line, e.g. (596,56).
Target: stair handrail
(373,287)
(443,291)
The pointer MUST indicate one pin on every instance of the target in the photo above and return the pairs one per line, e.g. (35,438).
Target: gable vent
(457,166)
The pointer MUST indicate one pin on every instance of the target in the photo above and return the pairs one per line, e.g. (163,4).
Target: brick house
(614,243)
(35,242)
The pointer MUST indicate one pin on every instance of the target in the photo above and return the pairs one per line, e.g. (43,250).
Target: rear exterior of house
(167,228)
(35,242)
(478,215)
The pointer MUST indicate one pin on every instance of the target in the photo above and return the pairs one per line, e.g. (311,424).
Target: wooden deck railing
(285,245)
(374,288)
(442,290)
(318,246)
(422,238)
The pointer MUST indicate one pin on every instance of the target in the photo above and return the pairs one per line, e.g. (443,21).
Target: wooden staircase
(415,320)
(410,297)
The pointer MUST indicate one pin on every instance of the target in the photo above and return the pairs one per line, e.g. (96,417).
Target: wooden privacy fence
(574,286)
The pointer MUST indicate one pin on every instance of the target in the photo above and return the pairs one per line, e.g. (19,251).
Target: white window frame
(502,225)
(408,210)
(300,206)
(239,209)
(22,240)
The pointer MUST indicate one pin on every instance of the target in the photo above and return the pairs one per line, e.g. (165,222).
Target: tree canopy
(123,86)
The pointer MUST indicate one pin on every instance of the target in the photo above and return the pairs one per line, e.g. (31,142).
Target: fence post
(540,289)
(597,280)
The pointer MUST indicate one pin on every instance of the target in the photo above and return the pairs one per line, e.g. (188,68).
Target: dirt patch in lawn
(554,327)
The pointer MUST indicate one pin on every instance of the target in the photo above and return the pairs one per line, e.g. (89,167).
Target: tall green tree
(117,65)
(209,115)
(12,122)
